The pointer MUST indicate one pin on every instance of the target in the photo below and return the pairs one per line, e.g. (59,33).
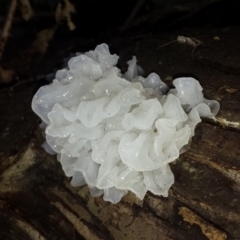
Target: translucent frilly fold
(118,132)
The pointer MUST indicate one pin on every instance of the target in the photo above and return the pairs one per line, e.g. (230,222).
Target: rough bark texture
(37,201)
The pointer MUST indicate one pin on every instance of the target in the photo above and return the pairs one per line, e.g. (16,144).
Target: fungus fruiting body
(118,132)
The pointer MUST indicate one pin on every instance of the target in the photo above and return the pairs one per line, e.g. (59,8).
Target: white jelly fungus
(118,132)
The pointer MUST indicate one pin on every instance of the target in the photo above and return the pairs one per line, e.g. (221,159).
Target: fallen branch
(7,26)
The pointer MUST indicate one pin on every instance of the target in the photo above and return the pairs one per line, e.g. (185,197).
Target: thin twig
(133,14)
(7,26)
(166,44)
(156,14)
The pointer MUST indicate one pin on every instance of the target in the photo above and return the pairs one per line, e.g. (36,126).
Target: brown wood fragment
(208,230)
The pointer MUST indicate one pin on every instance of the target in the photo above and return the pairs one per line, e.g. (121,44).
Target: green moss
(187,167)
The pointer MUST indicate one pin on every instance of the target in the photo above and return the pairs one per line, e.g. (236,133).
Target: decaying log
(37,201)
